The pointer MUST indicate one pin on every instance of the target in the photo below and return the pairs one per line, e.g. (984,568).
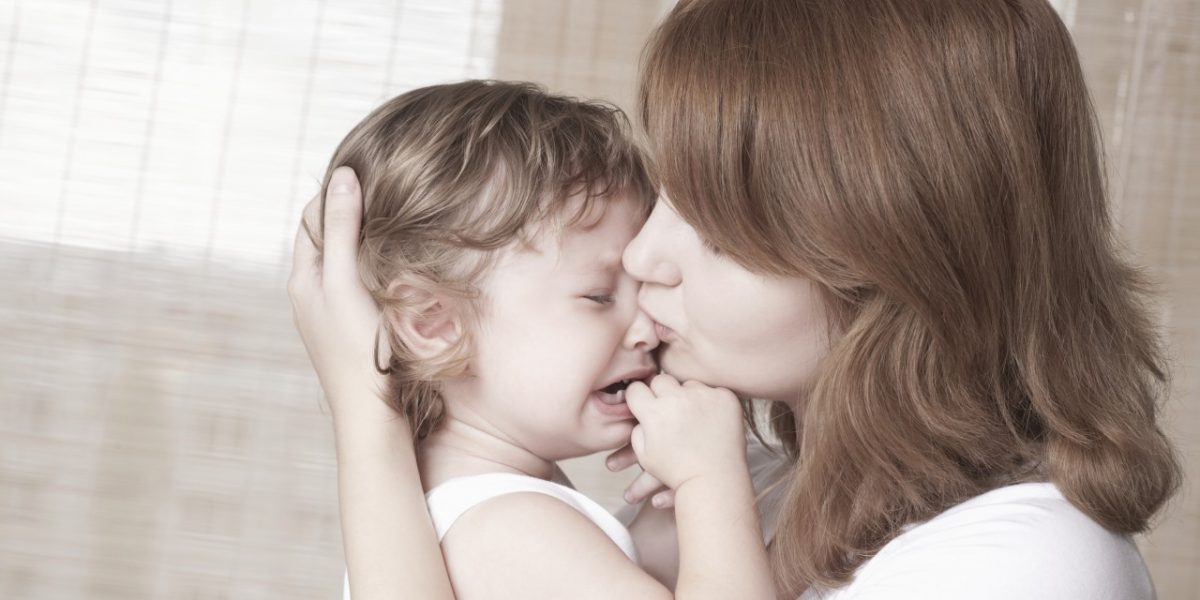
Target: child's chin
(613,436)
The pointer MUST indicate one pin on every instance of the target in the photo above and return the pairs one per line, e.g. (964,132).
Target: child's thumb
(636,396)
(637,440)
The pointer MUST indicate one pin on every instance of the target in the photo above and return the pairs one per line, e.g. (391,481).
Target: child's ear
(427,323)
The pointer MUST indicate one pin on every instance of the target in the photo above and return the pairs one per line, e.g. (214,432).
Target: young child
(494,223)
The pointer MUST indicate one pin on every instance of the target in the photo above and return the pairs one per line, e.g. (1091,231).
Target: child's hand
(686,431)
(333,311)
(644,485)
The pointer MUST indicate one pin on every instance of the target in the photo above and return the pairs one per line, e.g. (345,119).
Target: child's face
(558,325)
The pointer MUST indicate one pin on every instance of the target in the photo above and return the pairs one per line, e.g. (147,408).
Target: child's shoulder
(511,519)
(457,497)
(531,544)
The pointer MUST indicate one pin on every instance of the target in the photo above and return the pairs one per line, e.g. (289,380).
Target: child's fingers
(642,487)
(663,384)
(637,440)
(621,459)
(638,398)
(343,219)
(692,384)
(663,499)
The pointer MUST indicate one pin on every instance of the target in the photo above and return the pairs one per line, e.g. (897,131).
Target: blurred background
(161,432)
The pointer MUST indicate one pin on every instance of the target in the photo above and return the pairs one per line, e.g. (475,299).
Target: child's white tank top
(453,498)
(450,500)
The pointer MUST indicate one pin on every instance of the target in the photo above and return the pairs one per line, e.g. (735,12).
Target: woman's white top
(454,497)
(1022,541)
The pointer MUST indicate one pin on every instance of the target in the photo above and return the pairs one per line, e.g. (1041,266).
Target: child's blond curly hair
(450,172)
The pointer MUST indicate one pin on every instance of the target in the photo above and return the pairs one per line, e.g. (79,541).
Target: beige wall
(160,432)
(1142,59)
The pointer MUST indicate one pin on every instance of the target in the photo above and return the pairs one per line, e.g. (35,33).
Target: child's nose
(640,336)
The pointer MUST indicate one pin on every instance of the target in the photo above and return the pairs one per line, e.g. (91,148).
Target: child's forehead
(578,235)
(570,221)
(576,246)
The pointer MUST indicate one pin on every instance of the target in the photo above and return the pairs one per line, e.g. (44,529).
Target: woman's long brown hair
(935,167)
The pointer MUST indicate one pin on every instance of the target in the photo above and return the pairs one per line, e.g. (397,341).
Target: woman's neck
(460,447)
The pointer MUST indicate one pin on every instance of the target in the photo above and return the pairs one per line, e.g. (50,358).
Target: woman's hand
(385,521)
(686,431)
(333,311)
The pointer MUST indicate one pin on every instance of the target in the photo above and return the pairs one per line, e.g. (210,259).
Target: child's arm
(692,438)
(529,545)
(390,546)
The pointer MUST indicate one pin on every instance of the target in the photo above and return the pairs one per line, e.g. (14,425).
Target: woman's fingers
(343,219)
(642,487)
(621,459)
(304,252)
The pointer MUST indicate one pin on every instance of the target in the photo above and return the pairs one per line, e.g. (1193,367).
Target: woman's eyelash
(601,298)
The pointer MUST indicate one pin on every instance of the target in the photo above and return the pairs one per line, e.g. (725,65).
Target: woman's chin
(746,383)
(675,363)
(682,366)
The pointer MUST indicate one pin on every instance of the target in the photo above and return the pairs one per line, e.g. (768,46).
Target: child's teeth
(616,397)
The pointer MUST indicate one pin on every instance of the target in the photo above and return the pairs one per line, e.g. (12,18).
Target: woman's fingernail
(657,502)
(628,497)
(340,182)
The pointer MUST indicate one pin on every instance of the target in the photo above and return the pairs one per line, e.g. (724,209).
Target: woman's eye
(710,247)
(601,298)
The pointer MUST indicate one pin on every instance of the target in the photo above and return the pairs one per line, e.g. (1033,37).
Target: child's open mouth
(615,393)
(610,399)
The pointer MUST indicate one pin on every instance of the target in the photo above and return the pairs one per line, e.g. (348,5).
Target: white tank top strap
(450,500)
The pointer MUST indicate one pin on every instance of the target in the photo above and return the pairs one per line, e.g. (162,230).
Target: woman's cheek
(761,337)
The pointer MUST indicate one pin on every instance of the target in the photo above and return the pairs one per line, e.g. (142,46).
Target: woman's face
(760,336)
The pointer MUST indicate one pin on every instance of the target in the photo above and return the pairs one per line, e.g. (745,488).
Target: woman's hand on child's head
(332,309)
(686,431)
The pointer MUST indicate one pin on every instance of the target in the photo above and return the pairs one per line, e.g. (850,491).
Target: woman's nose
(640,336)
(644,257)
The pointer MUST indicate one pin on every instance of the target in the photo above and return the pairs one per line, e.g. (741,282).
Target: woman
(889,218)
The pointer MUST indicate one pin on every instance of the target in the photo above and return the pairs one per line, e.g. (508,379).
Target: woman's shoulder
(1019,541)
